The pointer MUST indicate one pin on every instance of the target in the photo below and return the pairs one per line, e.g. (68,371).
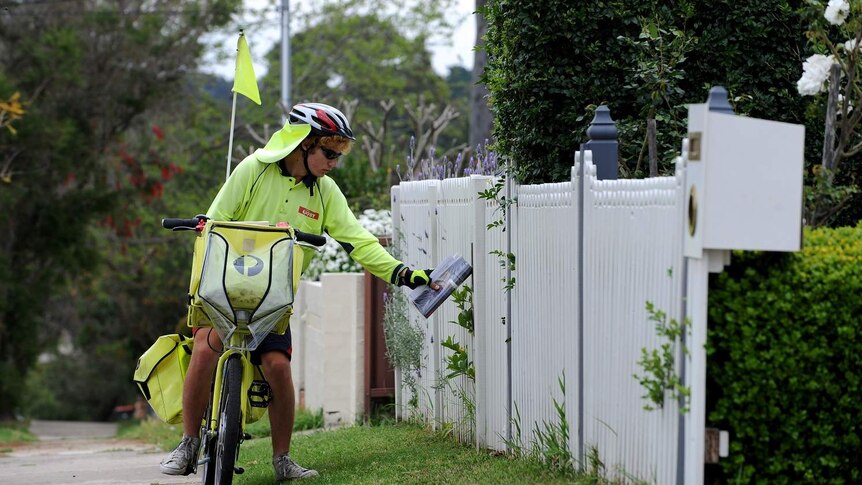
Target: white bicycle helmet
(324,119)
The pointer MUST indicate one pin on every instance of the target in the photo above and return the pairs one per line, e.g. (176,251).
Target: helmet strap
(309,178)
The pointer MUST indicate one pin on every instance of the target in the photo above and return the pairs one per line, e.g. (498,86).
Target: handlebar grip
(313,239)
(172,223)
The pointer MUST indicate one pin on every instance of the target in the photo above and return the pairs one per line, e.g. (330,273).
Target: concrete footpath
(82,454)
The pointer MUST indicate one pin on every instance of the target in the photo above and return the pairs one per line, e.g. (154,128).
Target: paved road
(83,454)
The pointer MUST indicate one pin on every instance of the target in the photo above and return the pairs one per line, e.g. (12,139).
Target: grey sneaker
(287,469)
(179,462)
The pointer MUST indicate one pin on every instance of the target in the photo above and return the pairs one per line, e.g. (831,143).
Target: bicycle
(242,284)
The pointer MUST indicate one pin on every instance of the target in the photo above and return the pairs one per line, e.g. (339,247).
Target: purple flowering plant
(480,161)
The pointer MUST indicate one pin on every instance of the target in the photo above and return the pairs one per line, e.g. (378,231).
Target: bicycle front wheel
(227,441)
(207,452)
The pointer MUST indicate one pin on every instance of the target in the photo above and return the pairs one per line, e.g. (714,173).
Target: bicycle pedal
(259,394)
(238,470)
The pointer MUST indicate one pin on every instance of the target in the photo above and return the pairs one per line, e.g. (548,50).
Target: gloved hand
(414,278)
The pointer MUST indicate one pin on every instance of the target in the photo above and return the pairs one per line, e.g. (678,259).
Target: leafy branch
(459,362)
(659,365)
(507,260)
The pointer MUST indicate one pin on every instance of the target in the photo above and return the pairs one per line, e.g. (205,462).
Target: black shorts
(272,343)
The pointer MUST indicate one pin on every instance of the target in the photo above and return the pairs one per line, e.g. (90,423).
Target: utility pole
(285,58)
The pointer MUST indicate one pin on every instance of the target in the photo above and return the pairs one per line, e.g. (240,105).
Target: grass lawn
(387,453)
(397,454)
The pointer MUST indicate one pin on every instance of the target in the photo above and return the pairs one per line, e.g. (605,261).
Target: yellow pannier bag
(160,373)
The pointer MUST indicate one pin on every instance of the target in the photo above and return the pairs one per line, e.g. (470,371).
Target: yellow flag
(244,81)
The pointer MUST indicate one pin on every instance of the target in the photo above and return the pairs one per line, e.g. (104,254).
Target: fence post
(434,196)
(480,309)
(396,243)
(690,468)
(718,101)
(604,144)
(579,186)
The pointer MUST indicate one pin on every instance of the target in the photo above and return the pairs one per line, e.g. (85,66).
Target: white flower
(836,11)
(815,73)
(841,103)
(850,45)
(334,259)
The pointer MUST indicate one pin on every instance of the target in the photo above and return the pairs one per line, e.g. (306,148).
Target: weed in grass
(306,419)
(551,441)
(464,414)
(382,413)
(166,436)
(550,451)
(595,472)
(14,432)
(595,466)
(515,443)
(403,342)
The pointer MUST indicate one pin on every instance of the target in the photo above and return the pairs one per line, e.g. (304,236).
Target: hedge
(785,362)
(550,60)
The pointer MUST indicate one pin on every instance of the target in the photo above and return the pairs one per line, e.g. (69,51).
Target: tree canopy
(84,72)
(376,67)
(105,127)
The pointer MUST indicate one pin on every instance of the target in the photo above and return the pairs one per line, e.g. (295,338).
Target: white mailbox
(743,183)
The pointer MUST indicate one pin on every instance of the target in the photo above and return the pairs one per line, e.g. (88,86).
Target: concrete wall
(328,346)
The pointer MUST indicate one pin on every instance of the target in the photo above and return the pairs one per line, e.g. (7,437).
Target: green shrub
(785,366)
(549,61)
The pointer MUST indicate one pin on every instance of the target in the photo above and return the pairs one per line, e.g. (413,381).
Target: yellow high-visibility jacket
(257,191)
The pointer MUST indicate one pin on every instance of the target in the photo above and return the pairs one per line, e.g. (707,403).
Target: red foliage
(157,189)
(157,130)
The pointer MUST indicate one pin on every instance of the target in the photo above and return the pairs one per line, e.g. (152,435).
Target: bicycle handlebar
(191,224)
(313,239)
(181,224)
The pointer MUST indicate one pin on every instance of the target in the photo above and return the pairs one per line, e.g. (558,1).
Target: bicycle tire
(207,453)
(227,440)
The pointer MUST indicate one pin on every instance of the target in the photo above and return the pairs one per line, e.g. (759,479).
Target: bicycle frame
(247,377)
(235,266)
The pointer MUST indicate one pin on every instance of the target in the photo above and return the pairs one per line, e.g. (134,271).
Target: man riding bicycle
(285,181)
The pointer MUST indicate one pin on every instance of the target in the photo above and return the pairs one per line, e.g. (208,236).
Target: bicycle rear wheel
(227,440)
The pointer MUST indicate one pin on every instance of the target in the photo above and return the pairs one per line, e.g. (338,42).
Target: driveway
(83,454)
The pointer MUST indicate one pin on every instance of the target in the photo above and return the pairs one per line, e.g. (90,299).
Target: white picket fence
(587,260)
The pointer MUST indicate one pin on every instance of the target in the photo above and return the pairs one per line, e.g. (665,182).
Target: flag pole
(230,137)
(244,83)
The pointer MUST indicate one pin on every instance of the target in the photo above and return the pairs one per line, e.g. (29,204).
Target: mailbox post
(743,190)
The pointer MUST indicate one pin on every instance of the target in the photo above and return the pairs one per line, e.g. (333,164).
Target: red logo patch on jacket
(308,213)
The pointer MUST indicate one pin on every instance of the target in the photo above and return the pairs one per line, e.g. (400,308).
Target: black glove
(414,278)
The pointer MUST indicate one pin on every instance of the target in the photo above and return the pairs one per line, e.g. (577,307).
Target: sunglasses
(330,154)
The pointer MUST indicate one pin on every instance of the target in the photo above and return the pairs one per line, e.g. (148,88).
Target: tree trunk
(829,155)
(481,119)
